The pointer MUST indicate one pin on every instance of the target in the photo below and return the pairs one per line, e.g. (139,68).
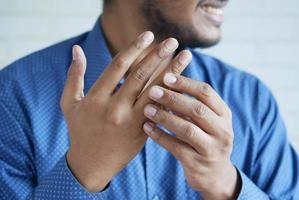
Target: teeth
(213,10)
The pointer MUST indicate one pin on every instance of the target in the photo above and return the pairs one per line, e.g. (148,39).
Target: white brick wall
(261,36)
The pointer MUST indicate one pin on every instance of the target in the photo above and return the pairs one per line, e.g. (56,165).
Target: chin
(199,37)
(191,29)
(207,38)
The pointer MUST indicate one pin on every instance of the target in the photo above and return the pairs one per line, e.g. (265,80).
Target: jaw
(207,21)
(192,24)
(206,29)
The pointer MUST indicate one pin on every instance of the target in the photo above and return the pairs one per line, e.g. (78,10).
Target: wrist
(90,176)
(227,187)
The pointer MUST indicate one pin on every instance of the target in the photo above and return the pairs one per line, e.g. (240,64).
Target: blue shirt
(34,136)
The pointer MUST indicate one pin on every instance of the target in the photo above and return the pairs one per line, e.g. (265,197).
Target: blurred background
(259,36)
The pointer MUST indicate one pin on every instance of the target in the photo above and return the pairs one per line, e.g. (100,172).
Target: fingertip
(171,43)
(169,79)
(185,57)
(187,52)
(79,57)
(148,128)
(78,53)
(75,52)
(148,36)
(173,39)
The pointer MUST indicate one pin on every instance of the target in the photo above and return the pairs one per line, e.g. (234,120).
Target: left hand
(204,134)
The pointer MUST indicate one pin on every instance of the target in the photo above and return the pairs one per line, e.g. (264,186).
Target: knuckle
(161,117)
(114,118)
(140,75)
(227,139)
(205,89)
(190,131)
(199,110)
(177,68)
(171,99)
(120,62)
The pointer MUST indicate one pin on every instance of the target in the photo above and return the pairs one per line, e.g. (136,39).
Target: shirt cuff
(249,190)
(60,183)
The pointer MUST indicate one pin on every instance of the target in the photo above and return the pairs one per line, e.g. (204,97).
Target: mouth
(213,10)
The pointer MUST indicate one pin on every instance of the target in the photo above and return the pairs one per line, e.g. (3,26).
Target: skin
(94,120)
(202,125)
(204,134)
(181,19)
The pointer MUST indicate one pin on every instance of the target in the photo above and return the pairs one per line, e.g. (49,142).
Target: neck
(121,25)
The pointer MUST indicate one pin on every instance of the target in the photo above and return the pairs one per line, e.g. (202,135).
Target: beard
(163,27)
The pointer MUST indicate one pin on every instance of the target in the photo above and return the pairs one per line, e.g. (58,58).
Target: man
(213,132)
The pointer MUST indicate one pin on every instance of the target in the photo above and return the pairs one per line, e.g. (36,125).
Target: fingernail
(147,128)
(171,44)
(74,52)
(156,93)
(169,79)
(148,36)
(185,57)
(150,111)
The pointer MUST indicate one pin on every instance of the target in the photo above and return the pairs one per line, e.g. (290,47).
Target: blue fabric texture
(34,136)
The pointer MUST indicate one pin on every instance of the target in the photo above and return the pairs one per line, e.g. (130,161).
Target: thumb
(73,89)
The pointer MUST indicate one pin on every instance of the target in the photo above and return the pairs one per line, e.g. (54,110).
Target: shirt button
(156,197)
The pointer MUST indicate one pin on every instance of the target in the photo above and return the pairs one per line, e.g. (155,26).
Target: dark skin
(203,125)
(184,20)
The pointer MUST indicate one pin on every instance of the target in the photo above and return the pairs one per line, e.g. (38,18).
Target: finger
(187,106)
(177,66)
(138,78)
(110,78)
(184,130)
(200,90)
(73,89)
(177,148)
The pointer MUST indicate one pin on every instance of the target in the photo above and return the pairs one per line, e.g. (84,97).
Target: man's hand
(204,134)
(105,126)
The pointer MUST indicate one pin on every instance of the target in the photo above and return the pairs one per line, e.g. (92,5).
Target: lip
(213,3)
(216,20)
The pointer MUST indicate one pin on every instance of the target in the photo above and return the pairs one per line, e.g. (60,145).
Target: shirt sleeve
(18,178)
(275,169)
(61,184)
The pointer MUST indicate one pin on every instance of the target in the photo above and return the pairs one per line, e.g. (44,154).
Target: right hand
(105,126)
